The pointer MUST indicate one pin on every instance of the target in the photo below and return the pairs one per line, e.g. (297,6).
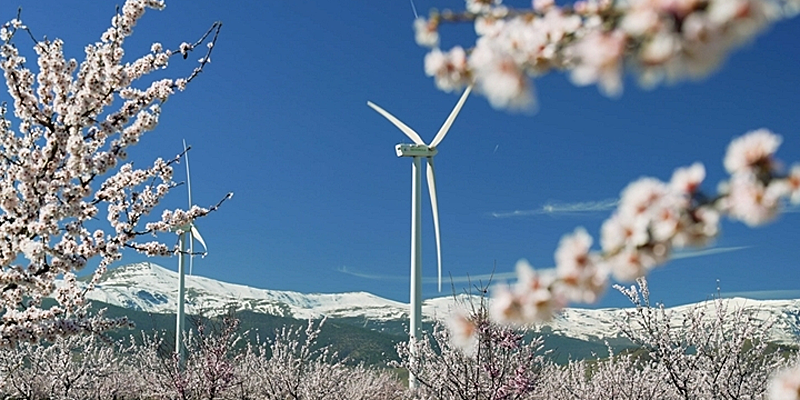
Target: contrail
(414,8)
(503,276)
(453,279)
(555,208)
(765,294)
(343,269)
(706,252)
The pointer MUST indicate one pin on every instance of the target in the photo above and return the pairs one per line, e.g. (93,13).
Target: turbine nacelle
(415,150)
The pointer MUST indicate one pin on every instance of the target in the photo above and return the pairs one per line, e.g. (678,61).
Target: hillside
(364,326)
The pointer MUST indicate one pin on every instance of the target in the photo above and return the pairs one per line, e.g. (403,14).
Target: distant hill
(360,325)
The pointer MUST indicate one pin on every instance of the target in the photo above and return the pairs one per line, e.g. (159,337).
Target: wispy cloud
(707,252)
(475,279)
(349,271)
(765,294)
(506,276)
(792,208)
(557,208)
(482,278)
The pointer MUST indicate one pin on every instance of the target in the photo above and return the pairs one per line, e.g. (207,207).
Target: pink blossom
(598,58)
(534,297)
(483,6)
(500,78)
(621,231)
(488,25)
(750,201)
(426,32)
(463,332)
(641,195)
(577,269)
(687,180)
(448,69)
(754,149)
(642,18)
(659,53)
(506,306)
(785,385)
(543,5)
(536,294)
(558,24)
(629,264)
(697,229)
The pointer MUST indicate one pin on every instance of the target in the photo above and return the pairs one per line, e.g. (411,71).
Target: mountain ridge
(151,288)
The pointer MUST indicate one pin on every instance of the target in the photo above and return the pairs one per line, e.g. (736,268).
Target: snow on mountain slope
(602,323)
(151,288)
(594,324)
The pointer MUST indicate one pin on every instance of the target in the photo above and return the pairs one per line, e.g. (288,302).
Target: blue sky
(322,204)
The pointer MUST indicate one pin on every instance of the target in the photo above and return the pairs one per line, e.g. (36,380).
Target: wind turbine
(191,231)
(417,151)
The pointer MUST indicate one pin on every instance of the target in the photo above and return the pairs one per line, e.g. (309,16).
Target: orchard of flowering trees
(64,144)
(711,352)
(63,148)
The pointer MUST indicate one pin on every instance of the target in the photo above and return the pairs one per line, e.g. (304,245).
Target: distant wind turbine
(417,151)
(191,231)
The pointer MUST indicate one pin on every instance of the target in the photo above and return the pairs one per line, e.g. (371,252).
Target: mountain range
(151,289)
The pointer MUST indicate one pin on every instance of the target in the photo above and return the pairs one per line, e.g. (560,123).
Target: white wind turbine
(191,231)
(417,151)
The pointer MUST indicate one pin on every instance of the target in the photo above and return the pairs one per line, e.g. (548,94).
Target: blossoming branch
(61,156)
(593,40)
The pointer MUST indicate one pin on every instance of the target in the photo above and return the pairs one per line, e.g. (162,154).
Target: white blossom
(577,268)
(793,182)
(463,332)
(426,32)
(448,69)
(599,60)
(753,149)
(785,385)
(750,201)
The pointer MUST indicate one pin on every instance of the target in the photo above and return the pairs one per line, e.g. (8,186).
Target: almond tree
(619,377)
(71,367)
(208,372)
(63,142)
(475,358)
(711,351)
(291,365)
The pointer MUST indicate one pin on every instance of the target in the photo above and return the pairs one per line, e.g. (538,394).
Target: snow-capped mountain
(151,288)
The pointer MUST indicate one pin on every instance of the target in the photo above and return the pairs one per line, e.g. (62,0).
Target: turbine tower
(417,151)
(191,231)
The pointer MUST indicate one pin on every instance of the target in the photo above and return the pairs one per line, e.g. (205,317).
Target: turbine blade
(435,212)
(188,177)
(196,235)
(452,117)
(403,127)
(191,253)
